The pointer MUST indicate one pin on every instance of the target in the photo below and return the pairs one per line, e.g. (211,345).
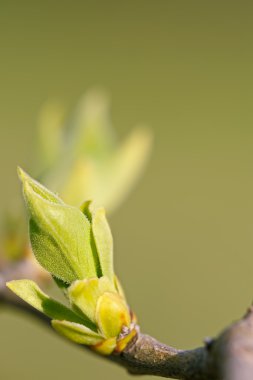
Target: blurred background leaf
(85,161)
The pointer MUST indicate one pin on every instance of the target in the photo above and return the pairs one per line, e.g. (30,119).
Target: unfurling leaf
(112,314)
(84,294)
(59,234)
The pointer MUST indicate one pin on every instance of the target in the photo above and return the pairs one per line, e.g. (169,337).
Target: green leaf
(112,314)
(84,294)
(103,242)
(77,332)
(60,235)
(32,294)
(37,188)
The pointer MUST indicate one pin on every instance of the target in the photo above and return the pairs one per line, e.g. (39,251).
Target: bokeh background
(184,238)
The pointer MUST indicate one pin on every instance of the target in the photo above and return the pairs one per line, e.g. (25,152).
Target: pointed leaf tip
(20,172)
(31,187)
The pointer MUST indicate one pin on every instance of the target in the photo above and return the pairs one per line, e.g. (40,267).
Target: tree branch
(228,357)
(147,356)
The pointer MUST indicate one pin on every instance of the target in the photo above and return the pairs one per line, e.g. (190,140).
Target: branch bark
(227,357)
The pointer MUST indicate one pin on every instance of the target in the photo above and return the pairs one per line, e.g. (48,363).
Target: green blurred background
(184,238)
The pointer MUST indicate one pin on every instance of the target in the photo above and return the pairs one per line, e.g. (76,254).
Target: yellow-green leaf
(112,314)
(76,332)
(103,242)
(84,294)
